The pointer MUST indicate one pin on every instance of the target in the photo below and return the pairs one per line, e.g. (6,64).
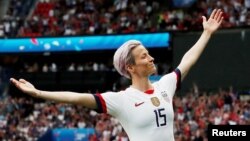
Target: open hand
(25,86)
(214,21)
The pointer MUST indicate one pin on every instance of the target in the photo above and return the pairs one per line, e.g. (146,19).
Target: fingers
(213,13)
(204,19)
(22,80)
(220,20)
(14,81)
(218,15)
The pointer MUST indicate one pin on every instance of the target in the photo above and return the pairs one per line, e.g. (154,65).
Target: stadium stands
(63,17)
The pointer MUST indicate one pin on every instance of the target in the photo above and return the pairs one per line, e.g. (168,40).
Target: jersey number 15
(159,114)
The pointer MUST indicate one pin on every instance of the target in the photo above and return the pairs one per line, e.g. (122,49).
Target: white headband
(121,55)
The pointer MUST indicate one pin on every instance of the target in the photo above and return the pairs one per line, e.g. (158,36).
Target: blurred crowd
(162,68)
(196,110)
(25,118)
(32,18)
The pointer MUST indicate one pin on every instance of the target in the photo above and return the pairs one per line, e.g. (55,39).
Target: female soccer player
(144,109)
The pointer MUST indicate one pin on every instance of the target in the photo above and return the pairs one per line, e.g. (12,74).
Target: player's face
(144,63)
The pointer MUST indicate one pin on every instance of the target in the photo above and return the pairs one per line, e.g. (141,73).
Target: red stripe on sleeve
(103,103)
(178,76)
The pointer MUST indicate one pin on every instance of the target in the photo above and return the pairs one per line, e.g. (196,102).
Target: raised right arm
(84,99)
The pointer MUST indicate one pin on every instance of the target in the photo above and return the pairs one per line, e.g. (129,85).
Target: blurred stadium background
(51,43)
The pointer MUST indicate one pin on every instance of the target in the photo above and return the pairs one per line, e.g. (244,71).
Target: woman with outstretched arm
(144,109)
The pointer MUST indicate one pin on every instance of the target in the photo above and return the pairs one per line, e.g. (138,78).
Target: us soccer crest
(165,96)
(155,101)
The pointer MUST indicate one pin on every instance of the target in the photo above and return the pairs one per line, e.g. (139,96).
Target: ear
(130,68)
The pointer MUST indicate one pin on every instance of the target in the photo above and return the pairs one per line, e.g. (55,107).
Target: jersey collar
(149,91)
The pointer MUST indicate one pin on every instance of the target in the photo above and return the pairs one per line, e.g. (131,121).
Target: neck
(142,84)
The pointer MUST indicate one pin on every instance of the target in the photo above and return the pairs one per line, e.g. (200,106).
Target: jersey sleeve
(109,102)
(171,82)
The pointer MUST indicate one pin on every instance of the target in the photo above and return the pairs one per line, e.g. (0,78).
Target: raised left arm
(193,54)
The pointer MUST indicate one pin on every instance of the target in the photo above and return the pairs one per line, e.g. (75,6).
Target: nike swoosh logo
(138,104)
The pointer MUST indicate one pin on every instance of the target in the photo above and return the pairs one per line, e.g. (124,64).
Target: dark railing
(85,81)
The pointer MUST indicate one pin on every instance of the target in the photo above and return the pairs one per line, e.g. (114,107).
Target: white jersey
(145,116)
